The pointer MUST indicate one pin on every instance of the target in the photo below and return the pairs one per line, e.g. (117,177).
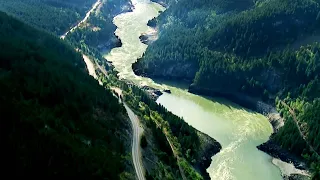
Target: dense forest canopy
(56,119)
(265,49)
(191,145)
(260,49)
(96,36)
(98,31)
(55,16)
(256,49)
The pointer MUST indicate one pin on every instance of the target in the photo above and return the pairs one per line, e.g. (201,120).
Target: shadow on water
(183,85)
(181,89)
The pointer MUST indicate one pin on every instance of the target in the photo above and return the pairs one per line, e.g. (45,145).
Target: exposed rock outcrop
(149,37)
(169,71)
(276,151)
(209,147)
(152,92)
(245,101)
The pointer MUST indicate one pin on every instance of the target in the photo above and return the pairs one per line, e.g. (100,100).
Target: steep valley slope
(246,51)
(56,119)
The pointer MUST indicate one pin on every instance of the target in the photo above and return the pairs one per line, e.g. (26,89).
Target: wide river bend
(237,129)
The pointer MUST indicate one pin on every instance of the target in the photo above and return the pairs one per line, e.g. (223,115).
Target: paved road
(94,6)
(136,156)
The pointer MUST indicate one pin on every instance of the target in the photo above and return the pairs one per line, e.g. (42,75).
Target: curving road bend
(137,131)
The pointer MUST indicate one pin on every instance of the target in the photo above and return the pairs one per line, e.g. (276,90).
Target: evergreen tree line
(54,16)
(186,134)
(56,119)
(265,49)
(98,31)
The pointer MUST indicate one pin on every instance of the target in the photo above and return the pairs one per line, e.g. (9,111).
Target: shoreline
(115,41)
(209,148)
(245,101)
(161,3)
(269,147)
(288,170)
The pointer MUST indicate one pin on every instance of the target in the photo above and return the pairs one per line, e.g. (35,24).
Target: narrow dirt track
(293,114)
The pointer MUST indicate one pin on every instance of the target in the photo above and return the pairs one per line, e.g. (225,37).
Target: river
(237,129)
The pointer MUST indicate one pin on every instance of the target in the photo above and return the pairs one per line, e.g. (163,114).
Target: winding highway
(136,155)
(137,130)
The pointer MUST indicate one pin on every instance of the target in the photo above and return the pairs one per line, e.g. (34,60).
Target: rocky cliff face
(175,70)
(172,70)
(209,148)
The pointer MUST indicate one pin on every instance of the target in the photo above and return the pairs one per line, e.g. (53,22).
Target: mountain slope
(98,31)
(248,52)
(55,16)
(56,119)
(231,42)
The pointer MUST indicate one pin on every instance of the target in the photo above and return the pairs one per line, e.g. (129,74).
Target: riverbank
(161,2)
(115,41)
(149,37)
(245,101)
(289,172)
(276,121)
(225,118)
(97,33)
(209,148)
(269,147)
(208,145)
(276,151)
(258,106)
(198,159)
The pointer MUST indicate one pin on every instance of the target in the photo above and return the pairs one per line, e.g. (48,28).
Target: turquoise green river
(238,130)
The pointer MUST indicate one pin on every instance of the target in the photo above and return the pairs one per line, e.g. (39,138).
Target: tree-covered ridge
(301,132)
(55,16)
(96,35)
(242,43)
(266,50)
(186,149)
(307,118)
(265,27)
(98,31)
(56,119)
(278,73)
(186,134)
(193,148)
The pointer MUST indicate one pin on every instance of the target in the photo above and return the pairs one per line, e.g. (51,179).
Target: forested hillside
(166,136)
(55,16)
(301,132)
(55,119)
(98,31)
(259,49)
(96,35)
(225,43)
